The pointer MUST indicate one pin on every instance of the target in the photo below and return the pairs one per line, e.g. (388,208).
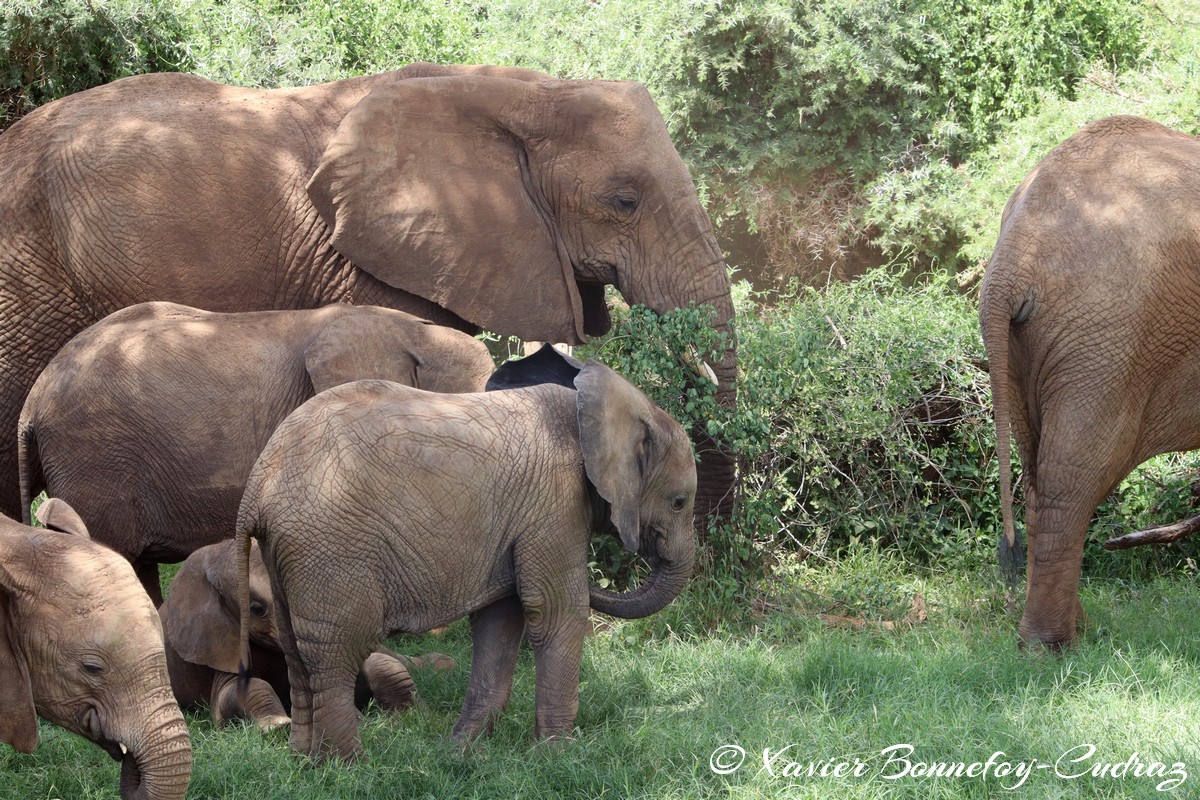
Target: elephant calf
(148,422)
(200,619)
(81,646)
(382,508)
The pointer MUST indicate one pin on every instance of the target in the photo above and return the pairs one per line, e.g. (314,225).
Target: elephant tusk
(692,357)
(124,749)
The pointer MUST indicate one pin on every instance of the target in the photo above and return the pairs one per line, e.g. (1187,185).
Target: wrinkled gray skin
(476,197)
(81,646)
(200,620)
(383,509)
(1089,315)
(149,421)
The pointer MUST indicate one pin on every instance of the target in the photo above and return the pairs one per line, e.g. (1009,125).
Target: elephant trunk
(666,581)
(158,764)
(702,279)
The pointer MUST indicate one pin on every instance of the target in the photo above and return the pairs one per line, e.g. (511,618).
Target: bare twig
(836,332)
(1165,533)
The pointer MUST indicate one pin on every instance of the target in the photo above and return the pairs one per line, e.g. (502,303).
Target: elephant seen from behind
(149,421)
(1090,311)
(382,509)
(81,646)
(200,619)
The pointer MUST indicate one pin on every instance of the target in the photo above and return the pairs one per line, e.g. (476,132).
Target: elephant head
(202,611)
(393,345)
(81,646)
(640,461)
(513,202)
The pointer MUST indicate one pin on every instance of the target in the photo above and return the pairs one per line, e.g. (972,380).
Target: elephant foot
(273,723)
(439,662)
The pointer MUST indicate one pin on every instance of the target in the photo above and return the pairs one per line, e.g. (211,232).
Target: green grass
(660,696)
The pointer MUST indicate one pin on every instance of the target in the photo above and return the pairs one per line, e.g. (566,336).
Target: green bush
(52,48)
(288,42)
(862,416)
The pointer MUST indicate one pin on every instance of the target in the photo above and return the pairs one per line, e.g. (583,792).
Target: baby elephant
(382,508)
(200,620)
(81,646)
(148,422)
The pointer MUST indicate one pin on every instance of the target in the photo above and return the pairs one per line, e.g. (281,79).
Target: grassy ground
(664,700)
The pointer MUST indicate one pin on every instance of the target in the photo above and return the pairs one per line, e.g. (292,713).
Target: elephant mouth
(596,320)
(115,750)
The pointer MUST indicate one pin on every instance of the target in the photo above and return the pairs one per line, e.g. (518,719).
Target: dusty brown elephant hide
(435,506)
(149,421)
(200,626)
(1090,311)
(473,196)
(81,646)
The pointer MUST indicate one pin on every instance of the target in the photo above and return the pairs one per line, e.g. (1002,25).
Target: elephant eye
(258,609)
(625,201)
(92,669)
(679,502)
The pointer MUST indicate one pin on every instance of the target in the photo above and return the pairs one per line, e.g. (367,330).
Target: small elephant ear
(426,185)
(359,346)
(194,621)
(616,434)
(57,515)
(547,365)
(18,716)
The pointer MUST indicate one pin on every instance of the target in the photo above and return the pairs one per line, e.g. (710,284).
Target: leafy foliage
(288,42)
(863,419)
(52,48)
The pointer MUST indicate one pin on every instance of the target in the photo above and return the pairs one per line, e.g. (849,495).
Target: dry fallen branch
(1165,533)
(915,615)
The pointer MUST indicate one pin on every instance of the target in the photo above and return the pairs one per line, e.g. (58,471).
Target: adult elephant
(1090,311)
(473,196)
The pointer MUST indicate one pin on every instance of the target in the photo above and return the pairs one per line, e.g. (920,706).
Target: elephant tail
(30,464)
(245,530)
(997,318)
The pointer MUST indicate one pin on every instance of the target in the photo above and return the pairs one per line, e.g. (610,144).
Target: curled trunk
(665,583)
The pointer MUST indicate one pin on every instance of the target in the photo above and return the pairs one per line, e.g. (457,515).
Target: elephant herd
(183,265)
(237,331)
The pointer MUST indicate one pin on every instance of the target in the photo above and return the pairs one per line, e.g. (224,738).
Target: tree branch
(1165,533)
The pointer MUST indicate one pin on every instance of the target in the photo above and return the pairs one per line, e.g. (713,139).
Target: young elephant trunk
(158,765)
(666,581)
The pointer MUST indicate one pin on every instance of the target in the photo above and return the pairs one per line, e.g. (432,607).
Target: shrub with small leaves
(52,48)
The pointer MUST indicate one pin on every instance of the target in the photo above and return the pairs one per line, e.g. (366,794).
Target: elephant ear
(547,365)
(426,185)
(360,346)
(18,716)
(195,623)
(57,515)
(617,435)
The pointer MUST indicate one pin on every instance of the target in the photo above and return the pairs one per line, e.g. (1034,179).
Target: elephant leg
(1076,470)
(300,739)
(326,637)
(262,705)
(335,719)
(557,653)
(557,633)
(147,573)
(384,677)
(495,639)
